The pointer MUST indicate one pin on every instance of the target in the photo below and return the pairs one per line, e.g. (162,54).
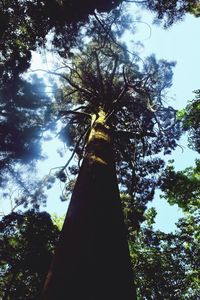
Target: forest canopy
(99,77)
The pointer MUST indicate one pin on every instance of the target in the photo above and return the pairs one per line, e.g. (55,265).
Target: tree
(190,119)
(182,187)
(27,243)
(167,264)
(115,110)
(171,11)
(121,114)
(25,116)
(25,25)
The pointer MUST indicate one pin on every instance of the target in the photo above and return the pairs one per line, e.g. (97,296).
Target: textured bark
(92,260)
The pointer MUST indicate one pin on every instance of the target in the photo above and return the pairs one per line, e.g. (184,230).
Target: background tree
(182,187)
(25,117)
(25,24)
(171,11)
(190,118)
(27,243)
(167,264)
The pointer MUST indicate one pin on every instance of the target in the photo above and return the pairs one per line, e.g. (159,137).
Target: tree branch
(75,112)
(116,101)
(75,149)
(114,41)
(132,135)
(74,85)
(114,69)
(99,74)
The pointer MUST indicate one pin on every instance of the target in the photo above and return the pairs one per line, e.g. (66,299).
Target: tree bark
(92,260)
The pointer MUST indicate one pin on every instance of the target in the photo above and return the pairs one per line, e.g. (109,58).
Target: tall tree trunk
(92,261)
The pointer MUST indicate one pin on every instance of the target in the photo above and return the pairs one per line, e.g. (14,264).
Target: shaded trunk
(92,260)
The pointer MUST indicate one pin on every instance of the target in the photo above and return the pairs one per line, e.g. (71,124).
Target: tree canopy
(104,74)
(97,72)
(169,12)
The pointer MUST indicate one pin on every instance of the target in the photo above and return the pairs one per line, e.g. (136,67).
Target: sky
(179,43)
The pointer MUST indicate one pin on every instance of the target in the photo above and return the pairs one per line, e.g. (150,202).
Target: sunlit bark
(92,261)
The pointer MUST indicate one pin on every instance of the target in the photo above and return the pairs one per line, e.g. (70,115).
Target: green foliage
(171,11)
(181,114)
(100,73)
(167,265)
(182,187)
(195,9)
(25,25)
(191,122)
(27,243)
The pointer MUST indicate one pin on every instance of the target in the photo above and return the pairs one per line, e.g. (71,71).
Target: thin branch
(67,112)
(132,135)
(77,73)
(70,93)
(114,41)
(18,179)
(107,32)
(80,107)
(75,149)
(116,101)
(99,73)
(74,85)
(114,69)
